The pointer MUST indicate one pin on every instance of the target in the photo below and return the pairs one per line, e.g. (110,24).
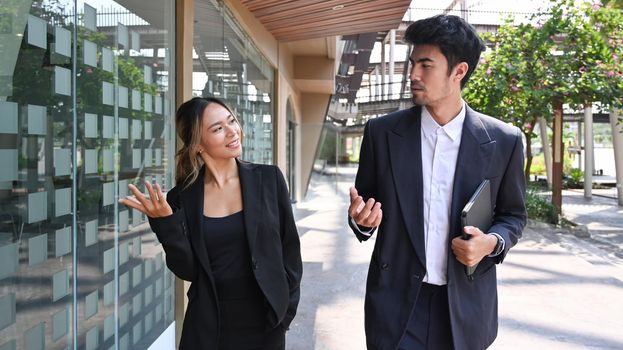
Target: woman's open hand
(156,206)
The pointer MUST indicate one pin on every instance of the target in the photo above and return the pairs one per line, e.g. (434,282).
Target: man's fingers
(355,206)
(353,193)
(371,220)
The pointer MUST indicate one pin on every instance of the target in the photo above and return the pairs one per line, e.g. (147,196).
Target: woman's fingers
(155,206)
(161,197)
(132,203)
(152,193)
(140,197)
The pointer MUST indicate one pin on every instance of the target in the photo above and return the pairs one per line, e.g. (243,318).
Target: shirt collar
(453,129)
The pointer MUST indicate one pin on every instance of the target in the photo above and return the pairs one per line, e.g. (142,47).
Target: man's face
(430,83)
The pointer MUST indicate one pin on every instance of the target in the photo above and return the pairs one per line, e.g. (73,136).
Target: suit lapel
(405,143)
(473,162)
(251,185)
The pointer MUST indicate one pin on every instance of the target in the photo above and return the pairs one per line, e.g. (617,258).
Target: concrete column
(383,71)
(588,150)
(617,142)
(392,51)
(547,151)
(184,27)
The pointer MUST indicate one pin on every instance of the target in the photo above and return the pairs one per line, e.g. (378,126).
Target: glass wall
(228,65)
(86,99)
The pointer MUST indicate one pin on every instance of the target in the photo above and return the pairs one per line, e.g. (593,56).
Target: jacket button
(254,263)
(416,276)
(384,266)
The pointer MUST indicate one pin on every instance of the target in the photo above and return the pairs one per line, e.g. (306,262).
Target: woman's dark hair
(188,125)
(457,40)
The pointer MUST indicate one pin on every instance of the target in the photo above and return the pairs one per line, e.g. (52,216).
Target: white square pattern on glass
(90,53)
(37,121)
(90,17)
(8,260)
(108,129)
(107,93)
(37,207)
(90,125)
(90,161)
(37,249)
(90,233)
(62,201)
(136,100)
(8,159)
(123,97)
(109,160)
(62,162)
(107,59)
(63,241)
(109,193)
(62,43)
(62,81)
(123,128)
(8,117)
(37,32)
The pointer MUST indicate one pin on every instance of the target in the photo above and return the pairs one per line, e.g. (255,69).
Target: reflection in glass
(230,66)
(71,260)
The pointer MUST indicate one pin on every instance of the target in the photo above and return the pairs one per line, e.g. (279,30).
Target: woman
(228,228)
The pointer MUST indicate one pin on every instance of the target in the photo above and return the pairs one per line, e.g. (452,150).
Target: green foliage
(574,178)
(569,52)
(539,207)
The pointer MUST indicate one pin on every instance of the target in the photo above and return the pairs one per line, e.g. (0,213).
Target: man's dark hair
(457,40)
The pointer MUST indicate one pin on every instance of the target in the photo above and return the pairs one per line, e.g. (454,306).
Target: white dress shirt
(440,150)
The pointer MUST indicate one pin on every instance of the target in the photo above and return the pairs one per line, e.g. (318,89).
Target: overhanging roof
(308,19)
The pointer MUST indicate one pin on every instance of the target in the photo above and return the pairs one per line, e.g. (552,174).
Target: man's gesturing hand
(155,206)
(368,214)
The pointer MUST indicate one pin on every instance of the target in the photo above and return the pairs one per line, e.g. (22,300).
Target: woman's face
(220,133)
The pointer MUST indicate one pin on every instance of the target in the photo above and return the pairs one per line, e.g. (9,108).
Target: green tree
(568,51)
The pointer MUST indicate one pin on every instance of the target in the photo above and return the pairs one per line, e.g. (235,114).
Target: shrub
(539,207)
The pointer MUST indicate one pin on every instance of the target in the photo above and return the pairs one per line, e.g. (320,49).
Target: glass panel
(229,66)
(127,37)
(71,73)
(35,177)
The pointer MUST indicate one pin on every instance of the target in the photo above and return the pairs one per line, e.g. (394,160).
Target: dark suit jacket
(273,243)
(390,170)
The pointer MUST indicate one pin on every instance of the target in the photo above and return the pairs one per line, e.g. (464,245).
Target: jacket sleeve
(291,248)
(510,209)
(365,182)
(172,232)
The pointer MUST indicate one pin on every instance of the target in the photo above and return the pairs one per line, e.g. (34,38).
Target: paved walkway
(556,290)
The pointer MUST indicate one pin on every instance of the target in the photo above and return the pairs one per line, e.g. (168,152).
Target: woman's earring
(200,151)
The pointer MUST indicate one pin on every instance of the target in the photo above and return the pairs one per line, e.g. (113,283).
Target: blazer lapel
(405,152)
(473,162)
(192,200)
(251,185)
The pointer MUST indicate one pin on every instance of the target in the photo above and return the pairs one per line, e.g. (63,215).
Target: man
(422,165)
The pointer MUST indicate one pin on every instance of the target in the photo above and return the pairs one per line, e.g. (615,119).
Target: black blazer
(273,243)
(390,170)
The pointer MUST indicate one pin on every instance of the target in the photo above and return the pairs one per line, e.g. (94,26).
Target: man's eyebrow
(423,59)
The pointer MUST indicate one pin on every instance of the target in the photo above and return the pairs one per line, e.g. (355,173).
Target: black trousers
(429,325)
